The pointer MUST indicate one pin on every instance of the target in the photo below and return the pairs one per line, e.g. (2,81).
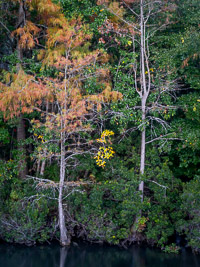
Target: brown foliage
(26,35)
(21,96)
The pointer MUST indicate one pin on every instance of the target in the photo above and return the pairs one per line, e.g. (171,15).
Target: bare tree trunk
(143,96)
(42,167)
(142,153)
(64,240)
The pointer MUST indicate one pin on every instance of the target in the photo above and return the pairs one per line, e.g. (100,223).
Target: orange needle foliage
(22,95)
(63,40)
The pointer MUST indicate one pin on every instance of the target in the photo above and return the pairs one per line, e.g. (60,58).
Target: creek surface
(85,255)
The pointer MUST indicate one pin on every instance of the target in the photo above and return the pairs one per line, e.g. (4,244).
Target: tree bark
(21,135)
(43,167)
(143,96)
(143,146)
(64,239)
(38,167)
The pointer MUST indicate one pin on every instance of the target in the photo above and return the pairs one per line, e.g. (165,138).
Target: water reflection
(89,256)
(63,256)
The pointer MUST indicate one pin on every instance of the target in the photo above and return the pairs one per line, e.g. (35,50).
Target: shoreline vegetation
(99,122)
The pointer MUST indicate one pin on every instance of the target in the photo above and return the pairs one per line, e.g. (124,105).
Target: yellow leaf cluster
(103,154)
(105,134)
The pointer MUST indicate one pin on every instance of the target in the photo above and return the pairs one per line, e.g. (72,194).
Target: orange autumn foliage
(27,35)
(63,40)
(23,94)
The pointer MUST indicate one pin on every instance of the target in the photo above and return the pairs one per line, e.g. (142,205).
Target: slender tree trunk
(64,240)
(38,167)
(20,23)
(143,96)
(21,135)
(43,166)
(142,153)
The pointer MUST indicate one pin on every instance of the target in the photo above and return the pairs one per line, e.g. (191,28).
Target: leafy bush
(190,225)
(107,210)
(25,215)
(172,249)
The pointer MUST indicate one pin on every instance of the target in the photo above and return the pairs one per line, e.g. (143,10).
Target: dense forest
(99,122)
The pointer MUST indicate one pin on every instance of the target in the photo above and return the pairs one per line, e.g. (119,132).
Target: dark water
(92,256)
